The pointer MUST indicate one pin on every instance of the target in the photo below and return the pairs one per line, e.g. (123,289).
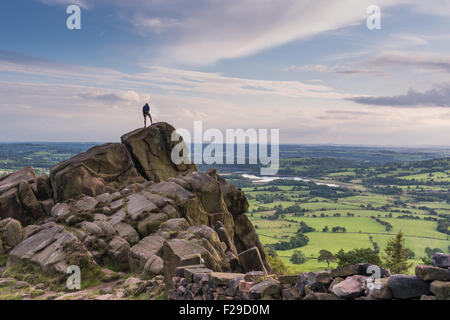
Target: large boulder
(99,170)
(352,287)
(51,247)
(17,197)
(407,287)
(151,150)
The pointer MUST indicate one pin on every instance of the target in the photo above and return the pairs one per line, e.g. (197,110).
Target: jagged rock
(11,234)
(141,252)
(118,250)
(250,260)
(269,288)
(352,287)
(441,289)
(406,287)
(52,248)
(17,198)
(154,266)
(99,170)
(441,260)
(428,273)
(245,237)
(151,150)
(234,198)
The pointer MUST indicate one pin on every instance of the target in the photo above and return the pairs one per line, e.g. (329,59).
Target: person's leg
(145,121)
(151,120)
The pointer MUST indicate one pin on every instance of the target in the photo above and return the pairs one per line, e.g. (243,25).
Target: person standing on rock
(146,113)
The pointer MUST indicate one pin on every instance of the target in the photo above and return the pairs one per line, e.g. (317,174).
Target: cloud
(418,59)
(438,97)
(82,3)
(163,78)
(112,98)
(350,70)
(203,32)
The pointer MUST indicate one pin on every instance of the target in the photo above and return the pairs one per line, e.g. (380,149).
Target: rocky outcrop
(104,213)
(151,150)
(52,248)
(101,169)
(19,196)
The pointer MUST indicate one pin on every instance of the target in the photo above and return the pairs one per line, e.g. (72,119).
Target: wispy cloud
(431,61)
(438,97)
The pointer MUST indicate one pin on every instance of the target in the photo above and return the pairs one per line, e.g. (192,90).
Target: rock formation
(101,169)
(127,206)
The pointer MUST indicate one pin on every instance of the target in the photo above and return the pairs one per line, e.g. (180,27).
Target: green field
(354,211)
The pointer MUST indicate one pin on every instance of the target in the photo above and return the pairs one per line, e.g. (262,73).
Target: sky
(310,68)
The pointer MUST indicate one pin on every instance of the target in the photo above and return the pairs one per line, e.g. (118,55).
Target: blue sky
(310,68)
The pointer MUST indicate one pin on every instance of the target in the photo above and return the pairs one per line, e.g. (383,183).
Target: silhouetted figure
(146,113)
